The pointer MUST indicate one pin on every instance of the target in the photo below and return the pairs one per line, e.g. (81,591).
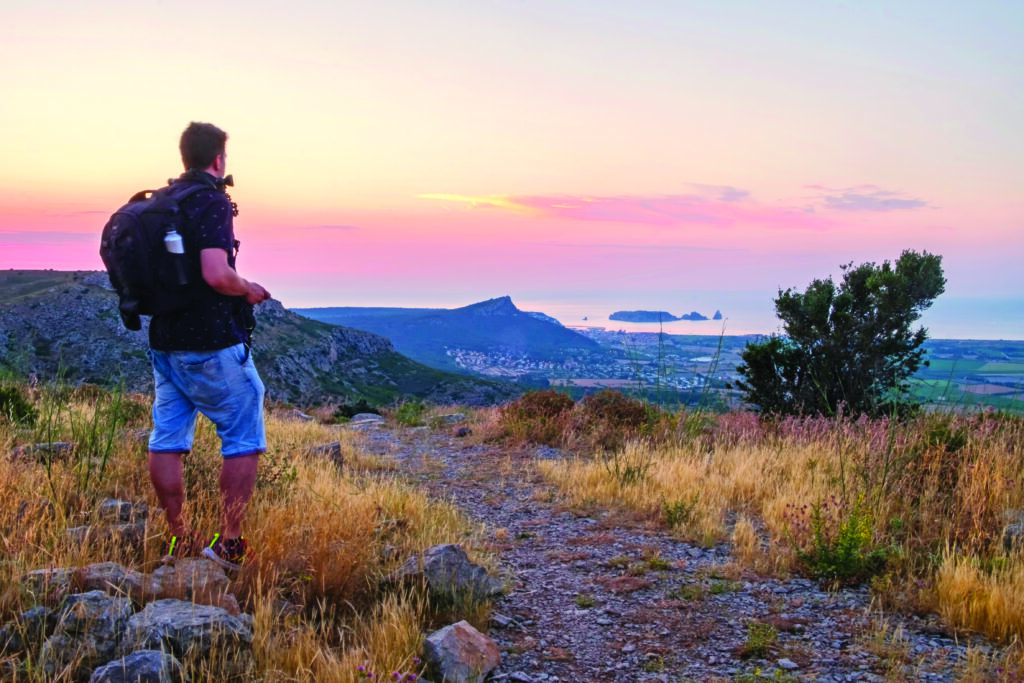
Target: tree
(848,345)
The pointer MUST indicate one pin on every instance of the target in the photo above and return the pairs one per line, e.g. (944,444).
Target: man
(201,360)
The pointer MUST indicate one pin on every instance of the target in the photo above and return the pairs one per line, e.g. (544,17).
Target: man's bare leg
(169,482)
(237,480)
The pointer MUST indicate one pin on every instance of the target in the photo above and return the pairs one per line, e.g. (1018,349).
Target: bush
(410,414)
(835,542)
(537,416)
(609,419)
(15,408)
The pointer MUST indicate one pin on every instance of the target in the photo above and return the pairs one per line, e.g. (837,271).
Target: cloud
(720,206)
(867,198)
(723,193)
(48,237)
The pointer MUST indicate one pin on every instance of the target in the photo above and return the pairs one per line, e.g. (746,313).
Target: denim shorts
(223,385)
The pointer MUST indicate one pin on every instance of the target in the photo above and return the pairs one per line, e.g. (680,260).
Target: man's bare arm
(223,278)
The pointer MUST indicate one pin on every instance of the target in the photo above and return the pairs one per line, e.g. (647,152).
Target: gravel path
(599,599)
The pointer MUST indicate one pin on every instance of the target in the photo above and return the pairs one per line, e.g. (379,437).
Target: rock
(1013,532)
(40,507)
(331,450)
(48,585)
(110,577)
(500,620)
(461,654)
(195,579)
(788,664)
(300,416)
(29,627)
(143,666)
(123,511)
(450,419)
(87,633)
(133,534)
(362,418)
(447,572)
(39,450)
(183,627)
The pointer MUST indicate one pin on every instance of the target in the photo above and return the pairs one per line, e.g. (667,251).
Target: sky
(582,156)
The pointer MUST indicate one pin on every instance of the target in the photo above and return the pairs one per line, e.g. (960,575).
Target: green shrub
(410,414)
(15,408)
(608,419)
(835,542)
(538,416)
(760,637)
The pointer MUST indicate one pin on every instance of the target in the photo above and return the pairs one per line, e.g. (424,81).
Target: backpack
(148,277)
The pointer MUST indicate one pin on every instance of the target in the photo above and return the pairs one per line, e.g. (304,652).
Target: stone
(143,666)
(88,630)
(33,626)
(500,620)
(451,418)
(39,451)
(460,654)
(48,585)
(40,507)
(1013,532)
(447,572)
(788,664)
(182,627)
(195,579)
(133,534)
(331,450)
(362,418)
(123,511)
(301,416)
(110,577)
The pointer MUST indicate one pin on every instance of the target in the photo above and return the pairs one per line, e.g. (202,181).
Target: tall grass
(915,506)
(323,536)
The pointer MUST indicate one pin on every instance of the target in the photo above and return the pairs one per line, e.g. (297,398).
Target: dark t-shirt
(212,321)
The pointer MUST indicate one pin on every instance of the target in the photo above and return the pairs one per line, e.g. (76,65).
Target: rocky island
(653,316)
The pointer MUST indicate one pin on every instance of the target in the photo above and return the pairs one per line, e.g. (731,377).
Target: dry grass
(914,488)
(323,538)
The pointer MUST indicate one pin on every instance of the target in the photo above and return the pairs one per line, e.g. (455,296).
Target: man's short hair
(200,144)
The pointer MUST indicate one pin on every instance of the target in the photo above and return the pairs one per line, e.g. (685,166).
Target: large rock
(27,631)
(331,450)
(48,586)
(460,654)
(88,631)
(448,574)
(144,666)
(183,627)
(111,577)
(123,511)
(194,579)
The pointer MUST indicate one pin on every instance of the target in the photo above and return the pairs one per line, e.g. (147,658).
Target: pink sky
(631,155)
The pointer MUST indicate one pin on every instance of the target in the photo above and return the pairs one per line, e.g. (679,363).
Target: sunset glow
(579,156)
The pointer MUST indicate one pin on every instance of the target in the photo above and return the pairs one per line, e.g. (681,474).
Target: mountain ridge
(66,322)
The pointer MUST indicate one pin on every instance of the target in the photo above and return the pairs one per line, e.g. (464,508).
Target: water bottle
(175,245)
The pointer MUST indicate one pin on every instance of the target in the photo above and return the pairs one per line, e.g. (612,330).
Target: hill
(67,322)
(437,337)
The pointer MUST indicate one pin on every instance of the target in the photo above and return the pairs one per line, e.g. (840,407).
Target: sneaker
(228,553)
(190,545)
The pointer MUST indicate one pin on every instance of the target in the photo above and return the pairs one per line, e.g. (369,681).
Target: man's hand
(256,294)
(223,278)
